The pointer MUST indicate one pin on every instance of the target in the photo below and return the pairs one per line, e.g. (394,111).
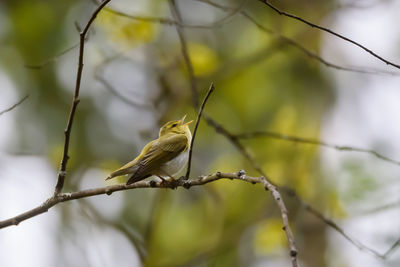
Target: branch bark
(75,99)
(283,13)
(310,141)
(210,90)
(14,106)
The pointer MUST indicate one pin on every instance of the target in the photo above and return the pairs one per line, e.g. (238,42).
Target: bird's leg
(164,182)
(162,179)
(171,182)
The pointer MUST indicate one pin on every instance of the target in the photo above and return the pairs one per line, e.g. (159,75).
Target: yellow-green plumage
(163,157)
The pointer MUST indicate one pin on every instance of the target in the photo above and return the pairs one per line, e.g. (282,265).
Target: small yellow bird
(162,157)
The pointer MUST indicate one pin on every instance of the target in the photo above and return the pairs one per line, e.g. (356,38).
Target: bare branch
(50,60)
(385,207)
(14,106)
(284,214)
(178,22)
(175,13)
(353,241)
(331,32)
(124,99)
(268,185)
(391,249)
(287,190)
(64,197)
(75,100)
(210,90)
(311,141)
(297,45)
(108,190)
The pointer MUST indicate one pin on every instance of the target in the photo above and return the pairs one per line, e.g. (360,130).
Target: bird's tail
(135,178)
(117,173)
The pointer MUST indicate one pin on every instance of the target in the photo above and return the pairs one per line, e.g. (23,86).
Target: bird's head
(177,127)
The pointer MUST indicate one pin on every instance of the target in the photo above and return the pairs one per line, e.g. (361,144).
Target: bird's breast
(175,165)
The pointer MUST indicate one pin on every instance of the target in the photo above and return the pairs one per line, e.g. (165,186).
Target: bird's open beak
(189,122)
(183,118)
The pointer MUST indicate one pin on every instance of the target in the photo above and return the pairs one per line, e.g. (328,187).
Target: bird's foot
(170,183)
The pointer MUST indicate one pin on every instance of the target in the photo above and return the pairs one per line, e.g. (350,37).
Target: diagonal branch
(52,59)
(75,100)
(290,192)
(296,139)
(210,90)
(297,45)
(283,13)
(268,185)
(14,106)
(353,241)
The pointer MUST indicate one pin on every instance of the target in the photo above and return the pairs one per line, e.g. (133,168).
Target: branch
(178,22)
(268,185)
(124,99)
(75,100)
(175,13)
(108,190)
(353,241)
(290,192)
(14,106)
(329,31)
(310,141)
(297,45)
(50,60)
(210,90)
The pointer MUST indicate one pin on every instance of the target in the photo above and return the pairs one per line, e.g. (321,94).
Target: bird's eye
(174,125)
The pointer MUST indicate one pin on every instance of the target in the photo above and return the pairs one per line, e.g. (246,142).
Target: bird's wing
(161,151)
(132,166)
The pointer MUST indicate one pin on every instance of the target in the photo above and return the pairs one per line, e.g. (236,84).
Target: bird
(163,157)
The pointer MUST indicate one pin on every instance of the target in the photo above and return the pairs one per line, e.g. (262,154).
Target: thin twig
(382,208)
(50,60)
(75,100)
(284,214)
(280,12)
(391,249)
(184,49)
(310,141)
(210,90)
(115,92)
(14,106)
(169,22)
(297,45)
(353,241)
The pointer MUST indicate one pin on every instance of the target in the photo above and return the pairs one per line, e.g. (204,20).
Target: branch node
(153,183)
(293,253)
(108,192)
(241,174)
(218,174)
(263,180)
(187,184)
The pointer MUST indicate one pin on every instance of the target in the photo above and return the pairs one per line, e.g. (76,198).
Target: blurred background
(135,79)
